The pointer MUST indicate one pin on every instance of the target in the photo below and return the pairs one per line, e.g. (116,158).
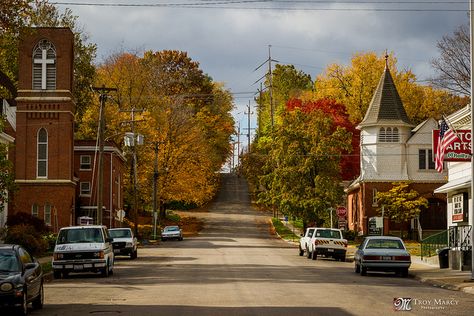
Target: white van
(83,249)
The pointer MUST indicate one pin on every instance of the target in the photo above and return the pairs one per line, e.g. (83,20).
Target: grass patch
(283,231)
(413,247)
(47,267)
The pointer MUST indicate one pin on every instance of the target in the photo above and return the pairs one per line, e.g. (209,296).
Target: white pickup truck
(327,242)
(305,239)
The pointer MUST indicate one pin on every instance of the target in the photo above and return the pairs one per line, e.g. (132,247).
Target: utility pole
(248,126)
(270,83)
(155,189)
(135,140)
(100,178)
(471,209)
(238,144)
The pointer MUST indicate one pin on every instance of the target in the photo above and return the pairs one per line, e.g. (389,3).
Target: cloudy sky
(230,38)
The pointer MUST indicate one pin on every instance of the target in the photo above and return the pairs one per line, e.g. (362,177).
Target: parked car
(124,243)
(171,232)
(21,279)
(83,249)
(382,253)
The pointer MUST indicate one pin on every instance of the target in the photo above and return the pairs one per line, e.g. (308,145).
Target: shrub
(26,236)
(28,219)
(50,240)
(350,234)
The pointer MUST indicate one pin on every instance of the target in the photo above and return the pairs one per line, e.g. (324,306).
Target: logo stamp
(402,304)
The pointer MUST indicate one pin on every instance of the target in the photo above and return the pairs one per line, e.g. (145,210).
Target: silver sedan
(171,232)
(382,253)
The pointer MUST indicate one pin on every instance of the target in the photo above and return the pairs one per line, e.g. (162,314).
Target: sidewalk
(444,278)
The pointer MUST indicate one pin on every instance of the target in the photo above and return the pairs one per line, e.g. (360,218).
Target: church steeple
(386,107)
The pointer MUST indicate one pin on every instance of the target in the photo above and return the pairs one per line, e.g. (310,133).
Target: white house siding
(422,139)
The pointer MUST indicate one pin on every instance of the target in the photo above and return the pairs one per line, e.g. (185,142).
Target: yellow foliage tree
(354,86)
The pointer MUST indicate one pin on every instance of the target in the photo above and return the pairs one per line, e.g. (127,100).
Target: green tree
(401,203)
(302,176)
(287,82)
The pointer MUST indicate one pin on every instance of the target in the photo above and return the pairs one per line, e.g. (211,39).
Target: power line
(291,5)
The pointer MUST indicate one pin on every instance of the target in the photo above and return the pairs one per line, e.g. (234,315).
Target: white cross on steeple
(43,61)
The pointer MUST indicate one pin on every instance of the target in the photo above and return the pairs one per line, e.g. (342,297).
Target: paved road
(235,267)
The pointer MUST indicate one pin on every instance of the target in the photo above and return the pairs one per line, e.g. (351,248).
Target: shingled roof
(386,107)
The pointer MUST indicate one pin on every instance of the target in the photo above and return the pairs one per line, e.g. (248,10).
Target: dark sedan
(382,253)
(21,279)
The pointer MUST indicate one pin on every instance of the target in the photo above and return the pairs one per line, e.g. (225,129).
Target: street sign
(341,211)
(120,215)
(342,224)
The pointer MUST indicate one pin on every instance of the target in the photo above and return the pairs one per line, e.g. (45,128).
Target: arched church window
(44,66)
(389,135)
(382,135)
(395,135)
(42,160)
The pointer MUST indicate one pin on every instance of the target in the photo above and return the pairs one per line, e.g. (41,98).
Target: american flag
(445,138)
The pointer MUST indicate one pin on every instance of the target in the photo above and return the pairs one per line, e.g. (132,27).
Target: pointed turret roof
(386,106)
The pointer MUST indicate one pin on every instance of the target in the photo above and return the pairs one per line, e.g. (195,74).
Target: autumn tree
(185,113)
(401,203)
(453,66)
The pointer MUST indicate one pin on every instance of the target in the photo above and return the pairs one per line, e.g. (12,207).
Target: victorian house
(393,149)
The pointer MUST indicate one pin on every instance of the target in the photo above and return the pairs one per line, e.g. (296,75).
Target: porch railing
(431,244)
(460,237)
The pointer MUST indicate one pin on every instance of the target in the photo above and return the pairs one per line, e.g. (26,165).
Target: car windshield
(328,233)
(120,233)
(8,261)
(80,235)
(171,229)
(384,244)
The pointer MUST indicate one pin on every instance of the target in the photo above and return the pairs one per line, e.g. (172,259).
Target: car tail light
(371,257)
(402,258)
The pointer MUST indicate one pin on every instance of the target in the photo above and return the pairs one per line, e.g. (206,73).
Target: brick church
(55,174)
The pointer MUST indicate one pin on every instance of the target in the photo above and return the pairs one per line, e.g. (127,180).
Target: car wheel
(404,272)
(301,251)
(356,268)
(57,274)
(39,300)
(314,255)
(105,271)
(342,258)
(23,309)
(363,270)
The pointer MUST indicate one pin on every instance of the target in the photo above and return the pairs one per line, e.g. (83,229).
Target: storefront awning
(461,183)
